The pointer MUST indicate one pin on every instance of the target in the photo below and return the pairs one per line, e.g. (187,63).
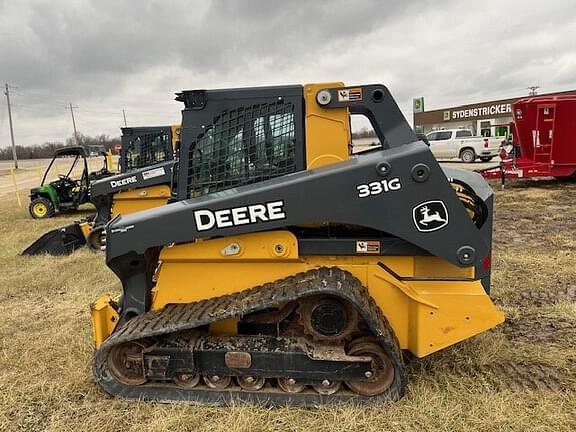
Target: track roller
(187,380)
(217,382)
(251,383)
(327,387)
(290,385)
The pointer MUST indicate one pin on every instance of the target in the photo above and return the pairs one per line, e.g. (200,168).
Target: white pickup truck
(460,143)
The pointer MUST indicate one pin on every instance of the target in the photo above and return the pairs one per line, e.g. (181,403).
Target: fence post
(16,187)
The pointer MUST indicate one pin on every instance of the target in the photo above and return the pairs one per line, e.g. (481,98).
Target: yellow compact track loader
(146,163)
(288,270)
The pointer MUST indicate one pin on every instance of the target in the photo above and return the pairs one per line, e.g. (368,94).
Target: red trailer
(544,135)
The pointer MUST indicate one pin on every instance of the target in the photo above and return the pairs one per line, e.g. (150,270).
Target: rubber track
(179,317)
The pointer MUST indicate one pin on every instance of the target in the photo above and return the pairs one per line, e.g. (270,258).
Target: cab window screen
(147,149)
(243,146)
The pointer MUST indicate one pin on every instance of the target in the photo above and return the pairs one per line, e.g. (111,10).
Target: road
(30,172)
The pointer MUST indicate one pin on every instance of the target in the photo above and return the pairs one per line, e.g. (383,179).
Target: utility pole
(74,123)
(124,115)
(533,90)
(14,156)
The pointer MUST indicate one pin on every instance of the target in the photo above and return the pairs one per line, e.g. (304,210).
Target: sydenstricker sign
(482,111)
(476,111)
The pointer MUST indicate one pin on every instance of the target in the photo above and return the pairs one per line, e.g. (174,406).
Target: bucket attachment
(60,241)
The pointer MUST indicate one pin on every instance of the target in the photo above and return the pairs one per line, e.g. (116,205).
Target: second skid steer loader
(146,163)
(289,271)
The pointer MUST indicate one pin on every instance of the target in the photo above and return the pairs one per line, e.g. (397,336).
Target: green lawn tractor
(68,191)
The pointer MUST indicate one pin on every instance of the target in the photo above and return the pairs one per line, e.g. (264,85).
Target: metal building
(490,118)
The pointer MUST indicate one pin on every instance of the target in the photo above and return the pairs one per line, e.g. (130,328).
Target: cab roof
(70,151)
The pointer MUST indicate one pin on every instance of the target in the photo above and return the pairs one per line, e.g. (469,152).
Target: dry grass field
(518,377)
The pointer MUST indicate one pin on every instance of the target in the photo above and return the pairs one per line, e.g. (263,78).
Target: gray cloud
(108,55)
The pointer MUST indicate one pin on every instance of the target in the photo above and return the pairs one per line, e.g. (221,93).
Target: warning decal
(368,247)
(156,172)
(349,95)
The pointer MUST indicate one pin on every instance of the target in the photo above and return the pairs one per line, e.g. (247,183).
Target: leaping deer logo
(430,216)
(434,217)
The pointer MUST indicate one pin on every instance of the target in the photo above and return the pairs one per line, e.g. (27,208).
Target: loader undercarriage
(317,333)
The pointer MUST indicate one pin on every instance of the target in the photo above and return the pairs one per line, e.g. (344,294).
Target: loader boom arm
(308,197)
(400,191)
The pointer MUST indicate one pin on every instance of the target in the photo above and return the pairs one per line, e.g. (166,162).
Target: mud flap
(61,241)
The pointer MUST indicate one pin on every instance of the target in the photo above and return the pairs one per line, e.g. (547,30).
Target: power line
(49,108)
(533,90)
(2,114)
(14,156)
(74,122)
(40,106)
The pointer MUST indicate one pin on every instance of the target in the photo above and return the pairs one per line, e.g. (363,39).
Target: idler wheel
(126,363)
(381,376)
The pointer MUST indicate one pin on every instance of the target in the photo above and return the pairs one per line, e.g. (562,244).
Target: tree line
(46,150)
(364,133)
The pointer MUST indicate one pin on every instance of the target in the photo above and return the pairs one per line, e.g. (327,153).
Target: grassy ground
(521,376)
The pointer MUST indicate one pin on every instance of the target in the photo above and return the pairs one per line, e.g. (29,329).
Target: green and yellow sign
(418,104)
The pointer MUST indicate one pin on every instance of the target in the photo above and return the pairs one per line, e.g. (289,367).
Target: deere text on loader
(147,160)
(146,163)
(289,271)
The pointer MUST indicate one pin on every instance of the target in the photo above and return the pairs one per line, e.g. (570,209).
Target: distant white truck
(460,143)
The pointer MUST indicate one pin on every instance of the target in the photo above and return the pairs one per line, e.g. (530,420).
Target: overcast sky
(104,56)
